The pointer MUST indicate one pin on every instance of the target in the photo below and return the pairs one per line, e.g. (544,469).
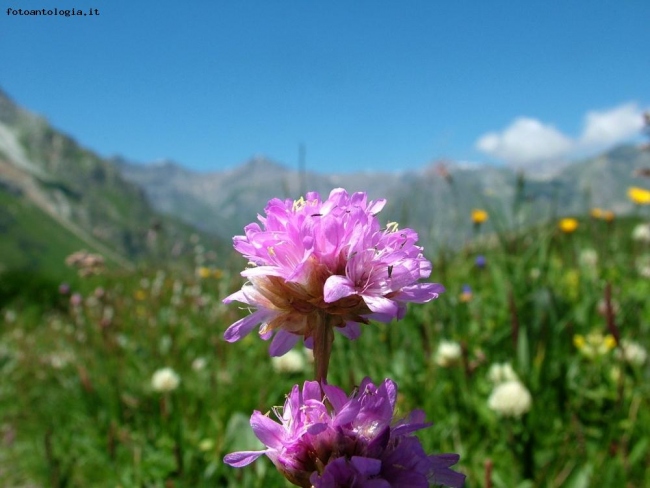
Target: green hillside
(31,240)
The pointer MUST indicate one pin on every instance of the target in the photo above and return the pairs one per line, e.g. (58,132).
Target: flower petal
(352,330)
(242,458)
(347,413)
(268,431)
(244,326)
(442,475)
(311,390)
(381,305)
(337,287)
(336,397)
(282,343)
(366,466)
(421,292)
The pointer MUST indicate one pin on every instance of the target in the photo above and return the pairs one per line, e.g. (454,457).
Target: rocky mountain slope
(49,182)
(436,201)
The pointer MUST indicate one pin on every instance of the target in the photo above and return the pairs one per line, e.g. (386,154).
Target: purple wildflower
(315,262)
(76,300)
(356,442)
(480,261)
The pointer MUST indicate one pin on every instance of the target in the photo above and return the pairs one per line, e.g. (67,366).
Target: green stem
(323,335)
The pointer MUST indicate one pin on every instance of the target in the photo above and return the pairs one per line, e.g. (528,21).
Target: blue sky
(383,85)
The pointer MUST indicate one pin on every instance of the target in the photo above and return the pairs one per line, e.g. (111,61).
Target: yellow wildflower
(568,225)
(594,344)
(609,342)
(596,213)
(140,295)
(579,341)
(479,216)
(639,196)
(203,272)
(600,214)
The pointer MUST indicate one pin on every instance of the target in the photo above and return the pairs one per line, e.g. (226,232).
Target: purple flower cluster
(338,441)
(317,266)
(312,260)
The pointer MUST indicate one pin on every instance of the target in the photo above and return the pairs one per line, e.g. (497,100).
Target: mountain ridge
(115,203)
(227,200)
(82,193)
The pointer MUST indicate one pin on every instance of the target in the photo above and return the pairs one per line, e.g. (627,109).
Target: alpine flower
(339,441)
(510,399)
(448,353)
(165,380)
(316,266)
(594,344)
(568,225)
(632,352)
(600,214)
(479,216)
(466,294)
(588,258)
(596,213)
(639,196)
(501,373)
(641,233)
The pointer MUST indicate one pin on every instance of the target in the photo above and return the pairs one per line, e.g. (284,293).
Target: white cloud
(611,126)
(527,141)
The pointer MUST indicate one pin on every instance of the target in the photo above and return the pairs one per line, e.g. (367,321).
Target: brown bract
(302,306)
(303,311)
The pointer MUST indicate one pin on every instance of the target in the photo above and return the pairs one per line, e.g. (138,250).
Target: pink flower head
(355,442)
(329,261)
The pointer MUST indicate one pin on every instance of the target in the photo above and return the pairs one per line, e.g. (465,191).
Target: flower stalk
(323,340)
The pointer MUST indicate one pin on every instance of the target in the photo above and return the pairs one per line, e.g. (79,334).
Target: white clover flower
(448,353)
(588,258)
(641,233)
(501,373)
(510,399)
(631,352)
(643,265)
(199,364)
(165,380)
(291,362)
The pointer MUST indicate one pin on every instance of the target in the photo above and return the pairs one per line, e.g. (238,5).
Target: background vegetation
(77,354)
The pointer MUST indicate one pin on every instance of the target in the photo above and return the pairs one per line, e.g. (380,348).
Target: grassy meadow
(568,310)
